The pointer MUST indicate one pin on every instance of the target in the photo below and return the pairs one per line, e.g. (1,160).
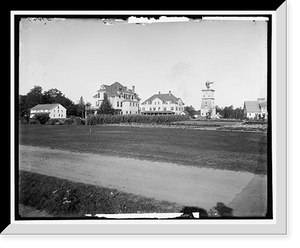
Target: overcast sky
(76,56)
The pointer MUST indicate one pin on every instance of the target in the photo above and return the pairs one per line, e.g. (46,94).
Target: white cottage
(256,109)
(55,110)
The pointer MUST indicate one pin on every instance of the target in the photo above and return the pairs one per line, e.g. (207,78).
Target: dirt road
(244,192)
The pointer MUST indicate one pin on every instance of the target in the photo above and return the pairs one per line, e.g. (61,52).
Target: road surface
(244,192)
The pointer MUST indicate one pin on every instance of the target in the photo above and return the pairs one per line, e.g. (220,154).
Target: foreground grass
(64,198)
(236,151)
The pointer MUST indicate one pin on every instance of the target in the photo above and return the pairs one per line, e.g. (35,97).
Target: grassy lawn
(236,151)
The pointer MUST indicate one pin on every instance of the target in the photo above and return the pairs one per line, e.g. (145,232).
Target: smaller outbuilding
(256,109)
(55,110)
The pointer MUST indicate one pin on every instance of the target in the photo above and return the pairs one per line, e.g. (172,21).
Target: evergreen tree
(81,107)
(106,107)
(190,110)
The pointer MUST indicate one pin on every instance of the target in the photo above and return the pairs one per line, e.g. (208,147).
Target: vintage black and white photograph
(161,117)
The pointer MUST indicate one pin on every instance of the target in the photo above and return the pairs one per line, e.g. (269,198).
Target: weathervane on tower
(207,83)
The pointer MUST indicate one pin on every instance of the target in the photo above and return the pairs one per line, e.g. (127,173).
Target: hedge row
(149,119)
(114,119)
(66,121)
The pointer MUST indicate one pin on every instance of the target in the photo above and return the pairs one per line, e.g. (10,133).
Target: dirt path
(186,185)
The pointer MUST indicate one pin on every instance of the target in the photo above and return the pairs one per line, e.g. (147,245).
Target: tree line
(230,112)
(227,112)
(37,96)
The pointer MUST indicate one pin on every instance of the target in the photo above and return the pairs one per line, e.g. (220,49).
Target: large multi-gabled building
(121,98)
(162,104)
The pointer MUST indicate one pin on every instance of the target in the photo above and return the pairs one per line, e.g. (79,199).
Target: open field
(236,151)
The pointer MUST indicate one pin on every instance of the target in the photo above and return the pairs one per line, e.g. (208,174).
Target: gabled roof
(112,90)
(45,106)
(164,97)
(252,106)
(263,104)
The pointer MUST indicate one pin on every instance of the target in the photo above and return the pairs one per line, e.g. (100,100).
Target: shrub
(42,117)
(67,121)
(137,118)
(33,121)
(78,121)
(24,119)
(52,121)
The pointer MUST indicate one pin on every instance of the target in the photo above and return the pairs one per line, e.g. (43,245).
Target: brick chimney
(169,93)
(133,89)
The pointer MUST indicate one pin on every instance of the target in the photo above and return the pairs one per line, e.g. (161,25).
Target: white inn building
(162,104)
(121,98)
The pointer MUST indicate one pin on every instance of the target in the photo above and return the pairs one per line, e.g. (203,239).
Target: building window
(143,109)
(117,104)
(53,115)
(121,104)
(129,112)
(158,108)
(172,108)
(154,108)
(165,108)
(150,109)
(126,112)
